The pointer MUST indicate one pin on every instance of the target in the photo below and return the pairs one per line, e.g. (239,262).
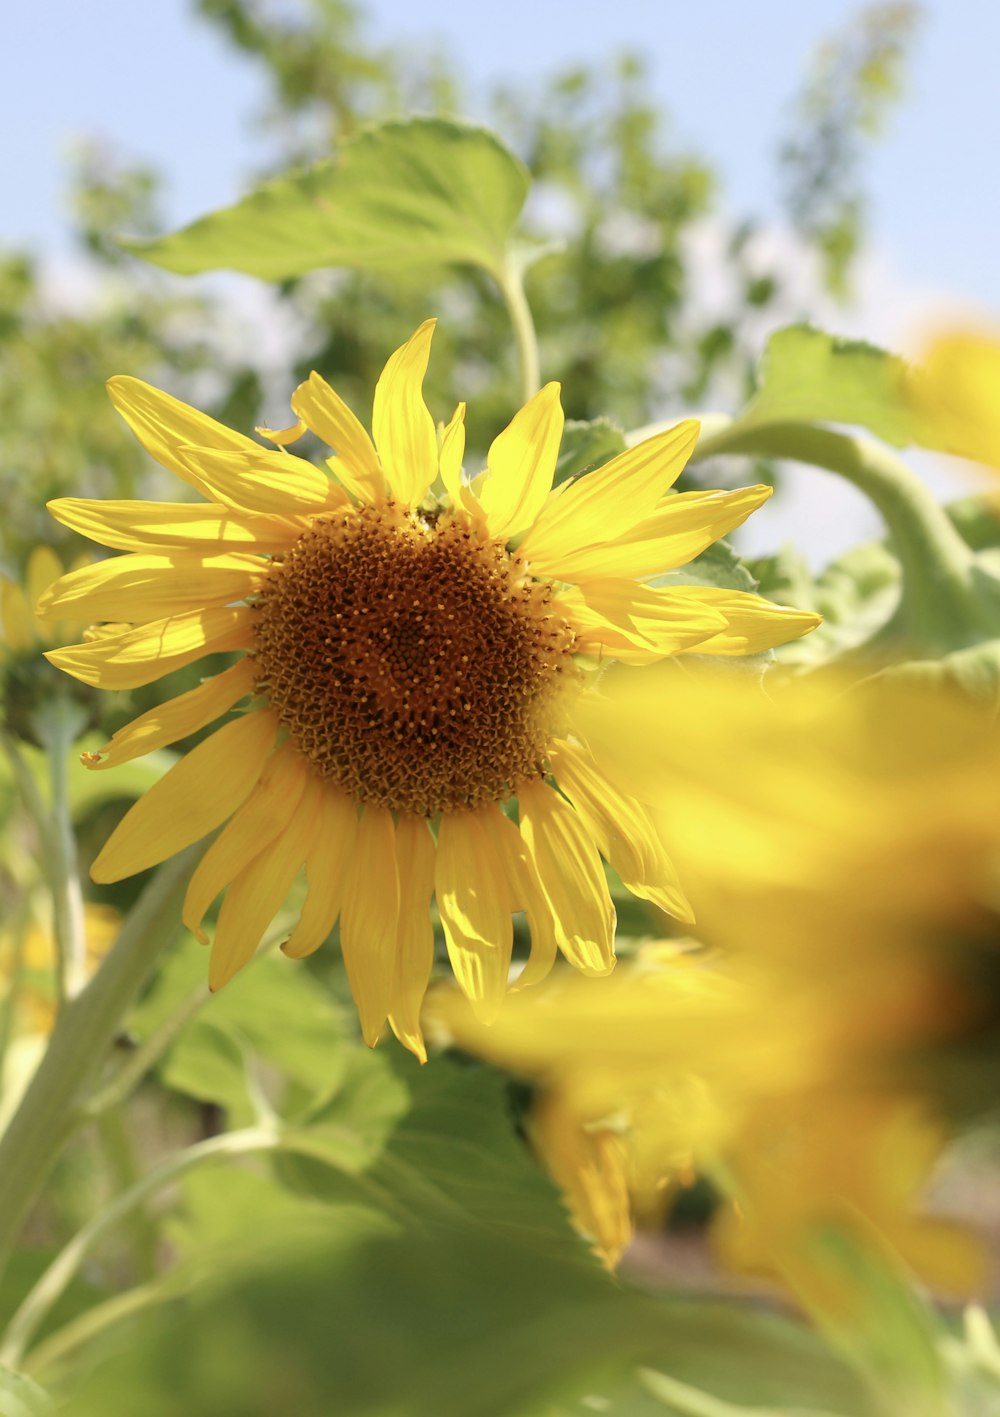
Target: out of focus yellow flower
(832,824)
(841,847)
(681,1066)
(22,631)
(28,968)
(955,395)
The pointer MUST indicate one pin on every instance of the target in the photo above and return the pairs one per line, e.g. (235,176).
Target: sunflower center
(411,661)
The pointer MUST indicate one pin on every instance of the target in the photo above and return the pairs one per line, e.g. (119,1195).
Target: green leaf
(879,1321)
(812,377)
(428,192)
(785,576)
(718,565)
(460,1322)
(587,445)
(274,1010)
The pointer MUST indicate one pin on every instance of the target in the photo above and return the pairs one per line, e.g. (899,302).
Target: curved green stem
(55,1101)
(53,1282)
(512,289)
(937,597)
(93,1321)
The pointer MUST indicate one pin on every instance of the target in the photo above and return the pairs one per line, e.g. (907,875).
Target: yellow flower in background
(955,394)
(29,994)
(841,845)
(22,631)
(684,1065)
(415,649)
(28,966)
(854,821)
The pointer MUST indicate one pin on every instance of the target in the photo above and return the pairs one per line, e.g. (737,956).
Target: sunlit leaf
(812,377)
(428,192)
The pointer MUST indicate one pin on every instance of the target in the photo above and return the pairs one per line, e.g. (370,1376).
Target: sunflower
(412,646)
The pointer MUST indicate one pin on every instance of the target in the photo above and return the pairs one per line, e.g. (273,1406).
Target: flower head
(414,648)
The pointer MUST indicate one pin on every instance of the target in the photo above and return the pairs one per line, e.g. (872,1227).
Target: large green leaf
(812,377)
(461,1322)
(428,192)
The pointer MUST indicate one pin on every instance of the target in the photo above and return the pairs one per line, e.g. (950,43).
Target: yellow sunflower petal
(195,526)
(147,652)
(164,425)
(368,920)
(282,436)
(326,414)
(521,464)
(151,587)
(19,630)
(525,893)
(620,613)
(623,829)
(752,623)
(258,893)
(192,799)
(450,456)
(264,815)
(265,483)
(571,875)
(680,528)
(473,898)
(328,865)
(415,933)
(607,503)
(175,719)
(402,426)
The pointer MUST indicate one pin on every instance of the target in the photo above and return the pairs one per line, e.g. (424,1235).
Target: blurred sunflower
(416,647)
(842,847)
(686,1065)
(955,395)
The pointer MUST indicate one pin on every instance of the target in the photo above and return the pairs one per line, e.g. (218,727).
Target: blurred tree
(856,80)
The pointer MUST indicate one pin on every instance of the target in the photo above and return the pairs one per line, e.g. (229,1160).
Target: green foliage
(856,81)
(457,1323)
(811,377)
(402,195)
(587,445)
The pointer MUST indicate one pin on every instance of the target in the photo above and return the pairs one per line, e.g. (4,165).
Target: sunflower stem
(511,284)
(59,722)
(53,1282)
(938,604)
(54,1103)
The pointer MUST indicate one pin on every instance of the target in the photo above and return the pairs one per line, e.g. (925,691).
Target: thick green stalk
(938,598)
(55,1101)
